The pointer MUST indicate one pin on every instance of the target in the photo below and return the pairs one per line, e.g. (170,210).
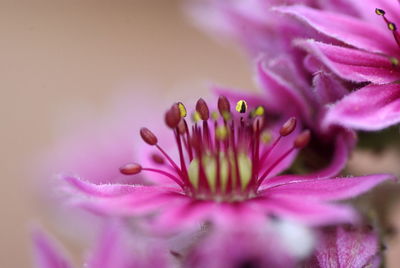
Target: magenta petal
(344,142)
(373,107)
(114,190)
(347,247)
(47,253)
(307,211)
(352,64)
(280,94)
(327,88)
(351,31)
(331,189)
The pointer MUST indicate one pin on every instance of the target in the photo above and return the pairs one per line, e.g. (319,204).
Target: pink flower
(226,172)
(288,86)
(115,249)
(346,246)
(367,49)
(250,246)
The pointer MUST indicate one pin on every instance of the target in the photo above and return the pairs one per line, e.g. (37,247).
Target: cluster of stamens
(393,28)
(222,156)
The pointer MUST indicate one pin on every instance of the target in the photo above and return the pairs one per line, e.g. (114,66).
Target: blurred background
(57,55)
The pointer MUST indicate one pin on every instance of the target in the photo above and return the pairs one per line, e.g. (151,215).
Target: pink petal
(327,88)
(114,190)
(349,30)
(129,205)
(280,95)
(47,253)
(306,211)
(330,189)
(352,64)
(347,247)
(344,142)
(373,107)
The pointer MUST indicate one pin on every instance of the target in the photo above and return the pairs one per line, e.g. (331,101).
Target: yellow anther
(259,111)
(266,137)
(221,132)
(394,61)
(196,117)
(379,12)
(226,115)
(182,109)
(214,116)
(241,106)
(392,26)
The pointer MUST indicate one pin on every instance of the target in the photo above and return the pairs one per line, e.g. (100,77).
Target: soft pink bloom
(116,248)
(248,246)
(236,180)
(346,246)
(367,49)
(288,86)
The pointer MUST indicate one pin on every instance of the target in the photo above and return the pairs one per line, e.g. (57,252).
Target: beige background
(59,54)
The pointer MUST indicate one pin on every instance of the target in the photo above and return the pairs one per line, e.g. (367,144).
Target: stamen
(148,136)
(219,162)
(259,111)
(241,106)
(303,139)
(158,159)
(202,109)
(223,105)
(182,109)
(288,127)
(173,116)
(130,169)
(392,27)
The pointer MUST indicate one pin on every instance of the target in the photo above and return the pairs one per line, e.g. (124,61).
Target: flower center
(223,156)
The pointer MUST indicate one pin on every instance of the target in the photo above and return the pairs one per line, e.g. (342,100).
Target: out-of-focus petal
(47,253)
(349,30)
(373,107)
(353,64)
(331,189)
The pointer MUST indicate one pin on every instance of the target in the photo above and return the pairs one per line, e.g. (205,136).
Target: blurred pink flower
(251,246)
(117,248)
(346,246)
(282,72)
(365,51)
(227,171)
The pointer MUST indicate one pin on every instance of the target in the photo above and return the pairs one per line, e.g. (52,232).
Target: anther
(196,116)
(394,61)
(130,169)
(221,132)
(392,26)
(202,109)
(182,109)
(259,111)
(223,105)
(303,139)
(148,136)
(173,116)
(241,106)
(214,116)
(380,12)
(181,127)
(288,127)
(158,159)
